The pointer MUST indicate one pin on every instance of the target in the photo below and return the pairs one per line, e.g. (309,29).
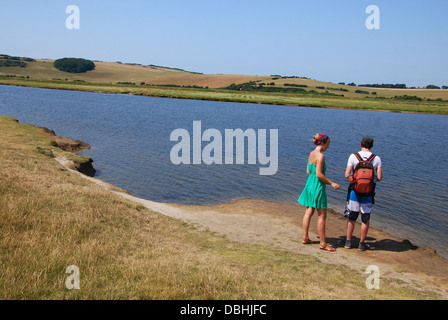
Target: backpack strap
(358,156)
(371,157)
(360,159)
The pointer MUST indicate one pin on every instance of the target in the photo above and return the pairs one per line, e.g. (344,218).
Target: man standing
(361,202)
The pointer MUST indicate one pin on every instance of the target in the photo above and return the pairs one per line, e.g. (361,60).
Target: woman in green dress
(314,195)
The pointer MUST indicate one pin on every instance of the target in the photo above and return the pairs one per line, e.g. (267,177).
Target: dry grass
(112,72)
(107,72)
(205,80)
(380,92)
(51,218)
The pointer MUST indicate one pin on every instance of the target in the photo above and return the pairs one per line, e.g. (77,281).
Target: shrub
(338,89)
(406,97)
(295,85)
(252,86)
(127,83)
(74,65)
(385,85)
(9,61)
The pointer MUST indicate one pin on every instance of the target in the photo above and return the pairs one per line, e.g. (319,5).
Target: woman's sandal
(327,247)
(307,241)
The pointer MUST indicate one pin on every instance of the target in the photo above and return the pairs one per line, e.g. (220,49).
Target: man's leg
(351,223)
(366,208)
(364,230)
(353,208)
(350,228)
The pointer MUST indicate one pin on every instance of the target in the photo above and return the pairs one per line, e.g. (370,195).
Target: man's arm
(348,171)
(350,165)
(379,174)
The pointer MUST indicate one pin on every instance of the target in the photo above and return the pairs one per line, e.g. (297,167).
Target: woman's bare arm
(319,166)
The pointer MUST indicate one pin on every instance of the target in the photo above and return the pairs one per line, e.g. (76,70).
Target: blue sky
(320,39)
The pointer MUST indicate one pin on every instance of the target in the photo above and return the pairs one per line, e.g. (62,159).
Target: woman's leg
(306,221)
(322,216)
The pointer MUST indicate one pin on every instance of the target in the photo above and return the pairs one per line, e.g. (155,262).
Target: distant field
(113,72)
(156,81)
(380,92)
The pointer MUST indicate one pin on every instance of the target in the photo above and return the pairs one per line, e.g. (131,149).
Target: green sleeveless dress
(314,194)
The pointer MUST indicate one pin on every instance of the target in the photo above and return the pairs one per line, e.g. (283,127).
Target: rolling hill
(162,81)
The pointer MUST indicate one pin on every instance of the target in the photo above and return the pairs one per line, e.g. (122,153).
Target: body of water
(130,139)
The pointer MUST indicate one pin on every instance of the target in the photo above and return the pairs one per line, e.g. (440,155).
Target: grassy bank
(320,99)
(51,218)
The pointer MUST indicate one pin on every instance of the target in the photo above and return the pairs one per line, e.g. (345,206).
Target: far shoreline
(184,93)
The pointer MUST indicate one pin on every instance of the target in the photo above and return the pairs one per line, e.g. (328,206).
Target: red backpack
(363,176)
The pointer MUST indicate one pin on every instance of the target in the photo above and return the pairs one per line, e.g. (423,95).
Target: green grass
(51,218)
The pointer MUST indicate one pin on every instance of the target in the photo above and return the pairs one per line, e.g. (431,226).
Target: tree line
(391,86)
(253,86)
(10,61)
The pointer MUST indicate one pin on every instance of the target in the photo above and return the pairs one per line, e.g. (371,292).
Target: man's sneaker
(363,246)
(346,244)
